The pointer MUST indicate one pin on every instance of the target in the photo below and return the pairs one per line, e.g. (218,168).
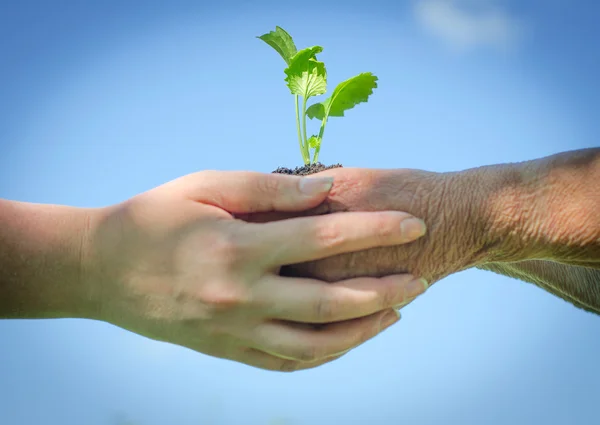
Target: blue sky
(100,101)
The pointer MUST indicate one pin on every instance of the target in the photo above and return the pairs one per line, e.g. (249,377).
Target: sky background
(102,100)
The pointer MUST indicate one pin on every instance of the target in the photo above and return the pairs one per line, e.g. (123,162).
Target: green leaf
(316,110)
(346,96)
(314,142)
(281,41)
(306,76)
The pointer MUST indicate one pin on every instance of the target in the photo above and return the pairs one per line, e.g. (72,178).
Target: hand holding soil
(455,238)
(173,264)
(536,221)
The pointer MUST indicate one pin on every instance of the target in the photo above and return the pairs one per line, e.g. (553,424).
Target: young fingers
(311,238)
(298,342)
(313,301)
(241,192)
(263,360)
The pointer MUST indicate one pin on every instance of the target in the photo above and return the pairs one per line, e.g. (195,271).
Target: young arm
(40,261)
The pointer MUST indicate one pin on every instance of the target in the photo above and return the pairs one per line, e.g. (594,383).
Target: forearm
(546,209)
(40,261)
(543,223)
(575,284)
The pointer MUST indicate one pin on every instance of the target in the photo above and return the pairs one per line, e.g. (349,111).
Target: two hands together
(288,273)
(178,266)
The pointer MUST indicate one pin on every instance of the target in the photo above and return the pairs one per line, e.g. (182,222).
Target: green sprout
(307,77)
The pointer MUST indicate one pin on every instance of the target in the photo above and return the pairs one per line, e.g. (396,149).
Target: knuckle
(223,245)
(389,295)
(309,353)
(228,248)
(288,365)
(386,228)
(224,297)
(350,186)
(330,234)
(326,308)
(270,185)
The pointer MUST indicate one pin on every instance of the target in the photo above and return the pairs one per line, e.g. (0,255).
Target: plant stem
(306,151)
(299,132)
(321,131)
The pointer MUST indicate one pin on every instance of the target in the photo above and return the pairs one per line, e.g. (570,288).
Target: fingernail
(413,289)
(413,228)
(416,287)
(389,319)
(314,185)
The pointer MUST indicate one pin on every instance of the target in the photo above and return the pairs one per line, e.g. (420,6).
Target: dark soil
(305,170)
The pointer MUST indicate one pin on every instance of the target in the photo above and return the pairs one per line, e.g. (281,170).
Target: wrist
(41,249)
(459,204)
(497,210)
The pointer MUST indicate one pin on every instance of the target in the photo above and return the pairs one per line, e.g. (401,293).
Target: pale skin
(538,221)
(174,264)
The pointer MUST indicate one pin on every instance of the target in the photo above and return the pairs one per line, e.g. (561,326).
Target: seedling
(306,77)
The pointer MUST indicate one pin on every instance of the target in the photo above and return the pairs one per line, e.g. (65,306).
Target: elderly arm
(575,284)
(537,221)
(557,206)
(547,209)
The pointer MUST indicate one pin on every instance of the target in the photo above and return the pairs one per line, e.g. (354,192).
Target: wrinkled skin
(453,241)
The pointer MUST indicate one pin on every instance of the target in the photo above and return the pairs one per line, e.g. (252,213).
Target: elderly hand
(452,205)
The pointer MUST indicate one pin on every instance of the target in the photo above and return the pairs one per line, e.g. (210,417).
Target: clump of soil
(306,170)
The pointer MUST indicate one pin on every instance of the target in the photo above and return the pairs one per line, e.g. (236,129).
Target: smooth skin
(537,221)
(176,264)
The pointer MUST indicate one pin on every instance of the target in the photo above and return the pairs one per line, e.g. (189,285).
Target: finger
(304,239)
(308,344)
(313,301)
(241,192)
(262,360)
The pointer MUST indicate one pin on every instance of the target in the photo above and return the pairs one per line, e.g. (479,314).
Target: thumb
(249,192)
